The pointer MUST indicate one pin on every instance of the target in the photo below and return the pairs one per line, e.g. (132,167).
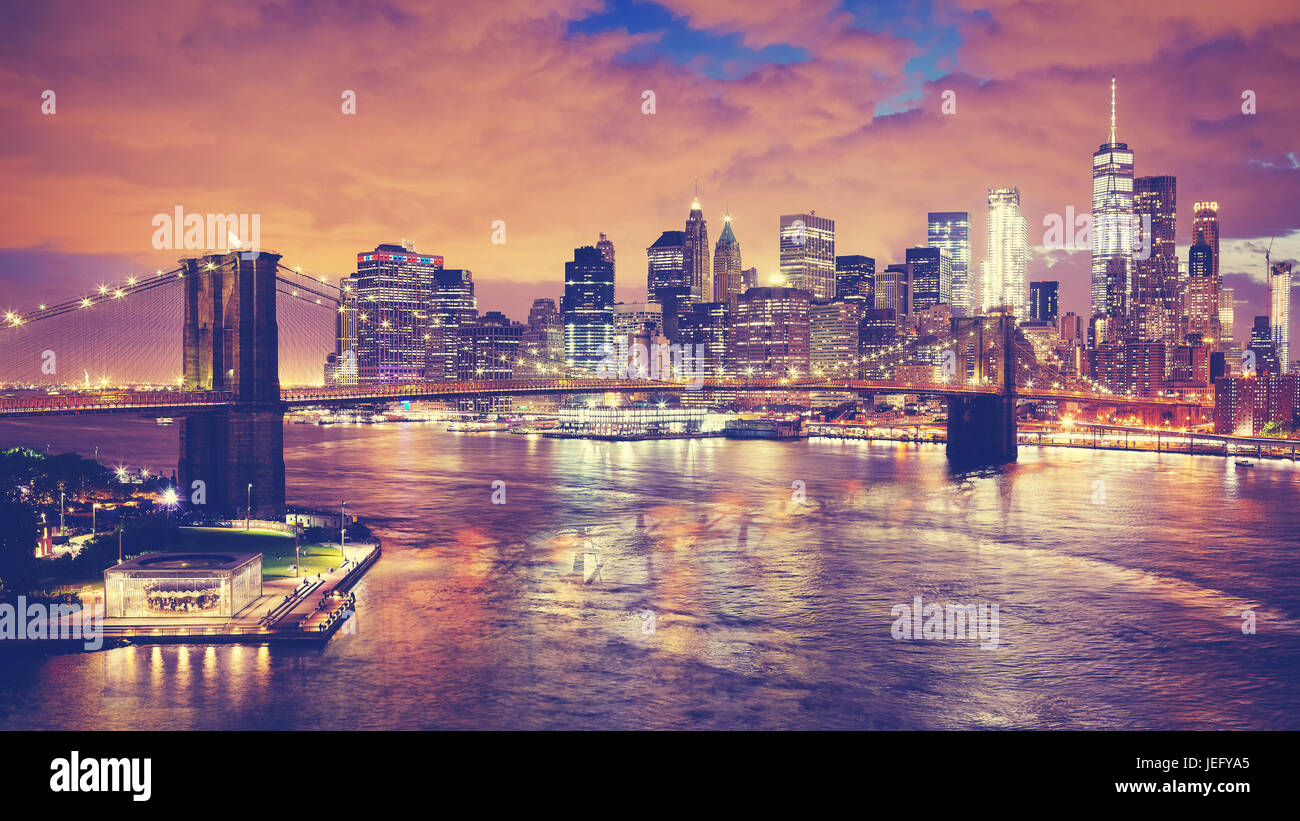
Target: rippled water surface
(1120,579)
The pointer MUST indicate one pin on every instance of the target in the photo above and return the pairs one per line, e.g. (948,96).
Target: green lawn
(276,549)
(278,563)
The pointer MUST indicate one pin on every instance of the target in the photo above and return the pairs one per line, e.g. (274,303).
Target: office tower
(1112,220)
(393,287)
(808,254)
(492,349)
(703,332)
(632,319)
(770,332)
(950,230)
(666,260)
(1205,228)
(834,337)
(855,278)
(1227,330)
(1279,312)
(543,339)
(748,279)
(588,307)
(695,254)
(606,248)
(1155,293)
(894,291)
(452,308)
(931,277)
(341,366)
(1044,300)
(1008,254)
(1263,347)
(878,330)
(1202,296)
(727,284)
(1072,326)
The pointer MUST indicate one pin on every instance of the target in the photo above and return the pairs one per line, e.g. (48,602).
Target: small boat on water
(1243,463)
(164,421)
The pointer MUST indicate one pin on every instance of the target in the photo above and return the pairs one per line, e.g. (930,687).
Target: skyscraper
(726,265)
(1008,254)
(543,340)
(855,278)
(1044,300)
(834,337)
(695,254)
(1202,299)
(808,254)
(606,248)
(770,333)
(588,309)
(950,230)
(894,291)
(453,309)
(666,260)
(1279,312)
(931,277)
(1227,327)
(344,371)
(393,286)
(1155,293)
(1112,220)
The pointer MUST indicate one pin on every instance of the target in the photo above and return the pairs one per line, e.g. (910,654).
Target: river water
(743,585)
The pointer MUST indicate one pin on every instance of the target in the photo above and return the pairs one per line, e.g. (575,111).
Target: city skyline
(67,240)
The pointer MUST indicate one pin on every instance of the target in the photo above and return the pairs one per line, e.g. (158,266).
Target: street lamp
(249,515)
(61,513)
(94,509)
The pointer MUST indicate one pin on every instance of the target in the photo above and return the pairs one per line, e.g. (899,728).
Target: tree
(19,526)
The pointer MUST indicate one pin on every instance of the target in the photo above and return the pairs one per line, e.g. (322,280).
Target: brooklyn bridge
(242,319)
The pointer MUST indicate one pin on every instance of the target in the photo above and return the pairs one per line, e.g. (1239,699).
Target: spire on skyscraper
(1112,109)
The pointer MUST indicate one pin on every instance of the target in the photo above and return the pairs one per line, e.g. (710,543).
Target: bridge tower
(231,343)
(982,428)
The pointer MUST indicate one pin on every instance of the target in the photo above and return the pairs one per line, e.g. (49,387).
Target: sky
(532,112)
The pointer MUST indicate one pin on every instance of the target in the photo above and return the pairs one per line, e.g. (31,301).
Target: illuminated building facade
(727,279)
(394,286)
(452,308)
(1005,279)
(1279,312)
(1112,221)
(1133,366)
(1245,406)
(543,340)
(666,272)
(807,244)
(588,308)
(931,277)
(770,333)
(894,291)
(1156,292)
(1044,301)
(834,337)
(855,278)
(950,230)
(695,254)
